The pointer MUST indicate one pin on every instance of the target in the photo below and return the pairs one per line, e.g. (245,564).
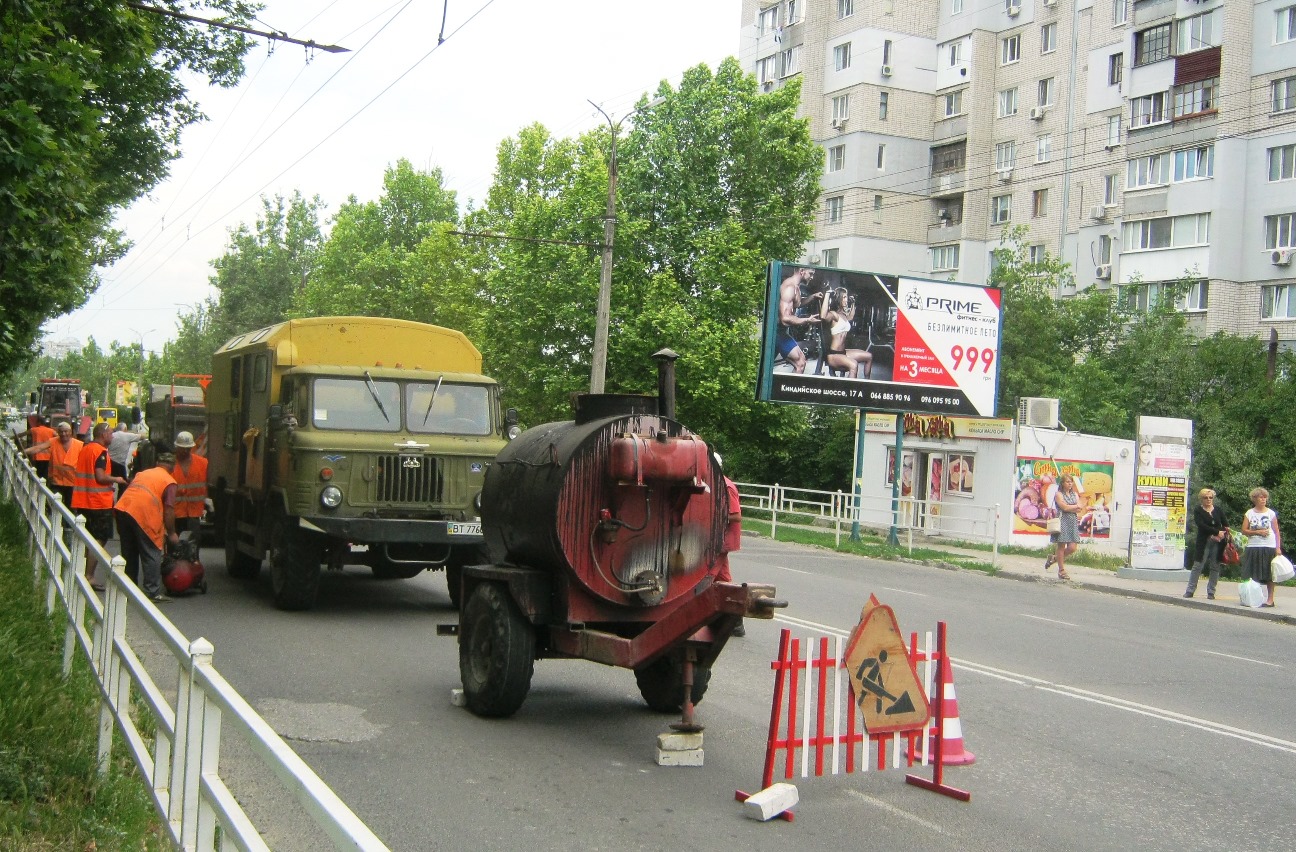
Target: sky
(330,124)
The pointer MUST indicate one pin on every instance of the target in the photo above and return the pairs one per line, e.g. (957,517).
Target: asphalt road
(1098,722)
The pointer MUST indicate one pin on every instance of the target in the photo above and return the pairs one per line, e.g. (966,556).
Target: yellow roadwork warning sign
(885,683)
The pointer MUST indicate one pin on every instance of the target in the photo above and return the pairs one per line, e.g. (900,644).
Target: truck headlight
(331,497)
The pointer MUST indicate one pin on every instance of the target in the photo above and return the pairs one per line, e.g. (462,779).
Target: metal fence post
(994,538)
(187,748)
(776,496)
(116,687)
(73,600)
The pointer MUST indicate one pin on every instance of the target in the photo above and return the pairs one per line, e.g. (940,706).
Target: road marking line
(892,809)
(1243,659)
(1049,620)
(793,570)
(904,592)
(813,625)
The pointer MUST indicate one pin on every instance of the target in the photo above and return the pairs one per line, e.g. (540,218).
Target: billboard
(1036,483)
(880,342)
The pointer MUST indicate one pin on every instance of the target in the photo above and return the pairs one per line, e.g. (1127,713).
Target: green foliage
(91,109)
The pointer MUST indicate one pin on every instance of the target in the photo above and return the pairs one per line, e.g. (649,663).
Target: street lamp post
(139,390)
(602,316)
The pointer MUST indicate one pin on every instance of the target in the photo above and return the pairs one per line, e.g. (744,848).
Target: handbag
(1282,569)
(1229,555)
(1053,525)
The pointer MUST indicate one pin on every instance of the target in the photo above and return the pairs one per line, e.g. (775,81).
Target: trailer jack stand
(686,724)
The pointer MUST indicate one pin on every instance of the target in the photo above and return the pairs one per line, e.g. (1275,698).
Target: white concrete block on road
(686,757)
(679,742)
(457,698)
(770,802)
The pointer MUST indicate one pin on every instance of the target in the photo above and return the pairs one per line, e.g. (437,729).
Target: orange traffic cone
(953,753)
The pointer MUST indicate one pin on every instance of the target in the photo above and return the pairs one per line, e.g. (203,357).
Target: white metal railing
(818,511)
(179,757)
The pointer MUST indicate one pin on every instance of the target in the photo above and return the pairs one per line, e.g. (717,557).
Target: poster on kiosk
(879,342)
(1157,537)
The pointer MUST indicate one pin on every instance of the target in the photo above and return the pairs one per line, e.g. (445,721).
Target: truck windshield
(350,405)
(444,408)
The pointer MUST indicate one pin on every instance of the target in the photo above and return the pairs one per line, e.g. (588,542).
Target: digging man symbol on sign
(871,683)
(886,686)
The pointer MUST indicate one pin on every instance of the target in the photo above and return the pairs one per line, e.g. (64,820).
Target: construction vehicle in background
(350,440)
(62,401)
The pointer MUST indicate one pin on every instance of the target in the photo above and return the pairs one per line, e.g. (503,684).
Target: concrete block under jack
(678,749)
(770,802)
(457,698)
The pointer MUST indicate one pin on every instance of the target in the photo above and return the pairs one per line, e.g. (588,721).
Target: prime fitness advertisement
(880,342)
(1036,483)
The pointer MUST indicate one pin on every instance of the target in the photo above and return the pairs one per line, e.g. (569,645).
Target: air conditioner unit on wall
(1050,2)
(1004,175)
(1014,11)
(1103,272)
(886,70)
(1281,257)
(1036,113)
(839,123)
(1040,412)
(1099,211)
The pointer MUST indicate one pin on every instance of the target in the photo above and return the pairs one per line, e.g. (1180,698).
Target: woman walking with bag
(1067,503)
(1212,529)
(1260,525)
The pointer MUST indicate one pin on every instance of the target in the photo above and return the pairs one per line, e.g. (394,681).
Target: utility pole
(602,316)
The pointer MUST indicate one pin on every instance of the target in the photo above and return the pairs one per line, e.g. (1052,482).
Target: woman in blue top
(1260,526)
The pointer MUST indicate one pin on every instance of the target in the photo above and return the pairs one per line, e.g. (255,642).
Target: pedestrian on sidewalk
(1260,525)
(1067,503)
(1212,529)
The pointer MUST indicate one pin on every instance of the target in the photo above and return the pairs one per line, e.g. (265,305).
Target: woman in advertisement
(838,313)
(1067,503)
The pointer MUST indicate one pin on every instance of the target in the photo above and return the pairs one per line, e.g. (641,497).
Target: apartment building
(1142,141)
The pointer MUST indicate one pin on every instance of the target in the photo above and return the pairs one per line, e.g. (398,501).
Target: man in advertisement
(790,318)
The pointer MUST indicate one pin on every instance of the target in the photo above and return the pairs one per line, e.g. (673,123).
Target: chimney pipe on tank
(665,359)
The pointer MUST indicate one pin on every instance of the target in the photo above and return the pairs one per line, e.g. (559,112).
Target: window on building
(1012,7)
(767,69)
(1284,94)
(790,61)
(1167,232)
(1010,49)
(1035,254)
(944,258)
(836,158)
(886,52)
(1146,297)
(1043,148)
(1193,297)
(795,10)
(1285,24)
(1194,163)
(955,52)
(954,103)
(1047,89)
(877,203)
(1120,12)
(1110,189)
(1115,69)
(949,158)
(845,8)
(1152,45)
(956,7)
(1193,98)
(1278,301)
(830,256)
(1005,156)
(881,157)
(835,206)
(767,20)
(1149,109)
(1280,231)
(1150,170)
(841,107)
(1104,249)
(1198,32)
(1048,38)
(1039,203)
(842,56)
(883,99)
(1000,209)
(1008,102)
(1282,162)
(1113,130)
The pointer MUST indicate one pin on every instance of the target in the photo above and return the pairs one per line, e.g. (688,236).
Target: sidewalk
(1031,569)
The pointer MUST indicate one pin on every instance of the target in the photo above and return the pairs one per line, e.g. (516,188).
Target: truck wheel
(496,652)
(660,684)
(239,564)
(459,557)
(295,557)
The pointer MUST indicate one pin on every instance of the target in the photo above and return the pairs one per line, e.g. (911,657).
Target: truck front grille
(409,479)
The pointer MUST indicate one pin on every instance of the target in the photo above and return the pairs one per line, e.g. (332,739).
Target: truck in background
(350,440)
(62,401)
(177,408)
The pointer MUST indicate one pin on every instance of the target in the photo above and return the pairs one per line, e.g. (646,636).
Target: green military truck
(350,440)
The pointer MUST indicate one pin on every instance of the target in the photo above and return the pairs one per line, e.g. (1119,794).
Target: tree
(91,110)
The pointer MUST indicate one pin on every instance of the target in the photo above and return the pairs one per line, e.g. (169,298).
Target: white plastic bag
(1282,569)
(1252,594)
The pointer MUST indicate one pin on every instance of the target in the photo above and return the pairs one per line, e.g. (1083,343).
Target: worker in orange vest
(146,521)
(41,433)
(191,483)
(92,497)
(63,450)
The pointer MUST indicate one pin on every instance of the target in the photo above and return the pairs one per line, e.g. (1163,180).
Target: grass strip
(51,795)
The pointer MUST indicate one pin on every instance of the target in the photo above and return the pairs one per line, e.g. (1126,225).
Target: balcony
(945,232)
(946,183)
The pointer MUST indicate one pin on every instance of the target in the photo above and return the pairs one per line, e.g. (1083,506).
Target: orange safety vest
(63,462)
(88,493)
(191,487)
(39,435)
(142,500)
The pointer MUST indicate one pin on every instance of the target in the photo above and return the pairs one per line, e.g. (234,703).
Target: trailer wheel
(661,684)
(496,652)
(295,557)
(239,565)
